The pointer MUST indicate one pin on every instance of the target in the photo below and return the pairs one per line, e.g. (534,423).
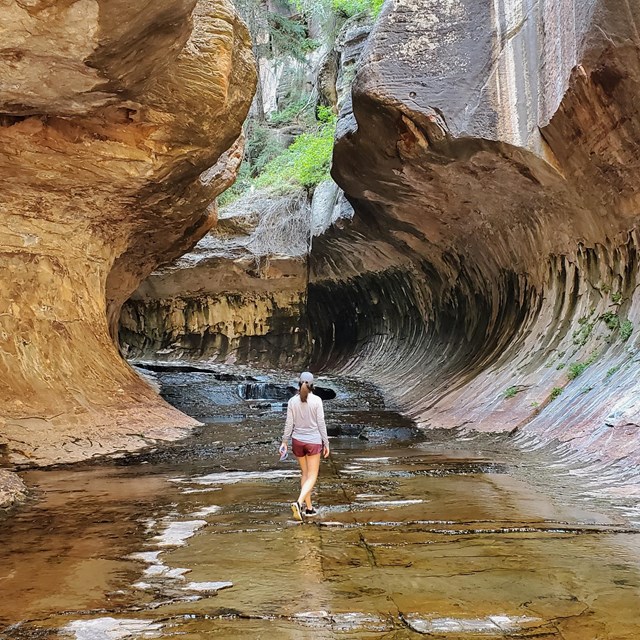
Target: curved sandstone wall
(489,277)
(118,127)
(238,297)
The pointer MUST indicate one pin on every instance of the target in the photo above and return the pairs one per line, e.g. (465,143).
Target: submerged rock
(119,126)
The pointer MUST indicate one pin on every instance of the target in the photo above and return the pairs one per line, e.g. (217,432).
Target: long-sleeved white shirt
(305,420)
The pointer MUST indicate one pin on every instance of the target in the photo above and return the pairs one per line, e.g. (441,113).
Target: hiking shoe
(310,512)
(297,511)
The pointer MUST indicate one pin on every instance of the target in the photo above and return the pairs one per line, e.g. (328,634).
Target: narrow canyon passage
(432,206)
(419,534)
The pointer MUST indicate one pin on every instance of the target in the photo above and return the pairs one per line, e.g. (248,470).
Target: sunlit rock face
(226,300)
(118,127)
(488,279)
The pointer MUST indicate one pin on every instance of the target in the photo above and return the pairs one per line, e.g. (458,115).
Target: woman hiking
(305,422)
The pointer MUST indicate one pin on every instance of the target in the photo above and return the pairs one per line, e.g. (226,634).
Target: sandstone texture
(119,125)
(239,296)
(488,280)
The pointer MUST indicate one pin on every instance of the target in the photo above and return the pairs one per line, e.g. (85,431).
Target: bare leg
(304,469)
(312,466)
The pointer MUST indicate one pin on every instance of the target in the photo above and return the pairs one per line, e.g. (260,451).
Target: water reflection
(415,537)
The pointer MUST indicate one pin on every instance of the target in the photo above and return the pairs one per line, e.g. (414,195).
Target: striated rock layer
(492,154)
(240,296)
(118,127)
(221,302)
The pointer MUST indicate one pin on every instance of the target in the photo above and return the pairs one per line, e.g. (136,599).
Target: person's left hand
(325,450)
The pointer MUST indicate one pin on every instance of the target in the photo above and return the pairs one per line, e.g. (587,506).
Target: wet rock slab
(412,540)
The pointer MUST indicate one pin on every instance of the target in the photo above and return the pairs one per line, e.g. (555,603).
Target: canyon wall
(239,296)
(488,280)
(119,125)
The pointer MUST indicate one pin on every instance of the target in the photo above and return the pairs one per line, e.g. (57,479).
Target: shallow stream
(417,535)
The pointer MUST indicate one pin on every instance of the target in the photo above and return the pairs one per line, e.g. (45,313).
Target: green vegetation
(291,148)
(268,164)
(577,368)
(611,319)
(240,186)
(306,162)
(350,8)
(581,335)
(616,298)
(289,36)
(611,372)
(556,392)
(560,366)
(614,322)
(511,392)
(298,112)
(340,8)
(261,146)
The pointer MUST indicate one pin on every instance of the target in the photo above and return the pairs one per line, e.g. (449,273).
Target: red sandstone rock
(111,115)
(492,159)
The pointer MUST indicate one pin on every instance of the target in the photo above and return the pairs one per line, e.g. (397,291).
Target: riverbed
(418,534)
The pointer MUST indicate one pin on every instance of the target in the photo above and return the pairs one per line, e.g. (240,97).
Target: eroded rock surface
(12,489)
(118,127)
(489,277)
(239,296)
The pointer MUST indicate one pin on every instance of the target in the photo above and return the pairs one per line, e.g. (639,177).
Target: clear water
(417,535)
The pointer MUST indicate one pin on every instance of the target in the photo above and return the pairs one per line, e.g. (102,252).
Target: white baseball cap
(306,377)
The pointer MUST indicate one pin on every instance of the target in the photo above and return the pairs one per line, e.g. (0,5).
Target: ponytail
(304,391)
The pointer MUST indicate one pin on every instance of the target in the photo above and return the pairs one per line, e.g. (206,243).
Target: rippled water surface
(416,536)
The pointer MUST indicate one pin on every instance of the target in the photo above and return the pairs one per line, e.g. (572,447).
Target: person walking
(305,425)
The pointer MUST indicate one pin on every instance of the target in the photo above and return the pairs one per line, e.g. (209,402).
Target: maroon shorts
(302,449)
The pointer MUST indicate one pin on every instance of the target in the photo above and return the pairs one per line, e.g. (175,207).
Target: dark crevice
(8,119)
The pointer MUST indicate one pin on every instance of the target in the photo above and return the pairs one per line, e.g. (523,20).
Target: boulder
(12,489)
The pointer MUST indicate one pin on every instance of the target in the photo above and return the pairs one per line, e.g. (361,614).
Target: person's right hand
(283,448)
(325,450)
